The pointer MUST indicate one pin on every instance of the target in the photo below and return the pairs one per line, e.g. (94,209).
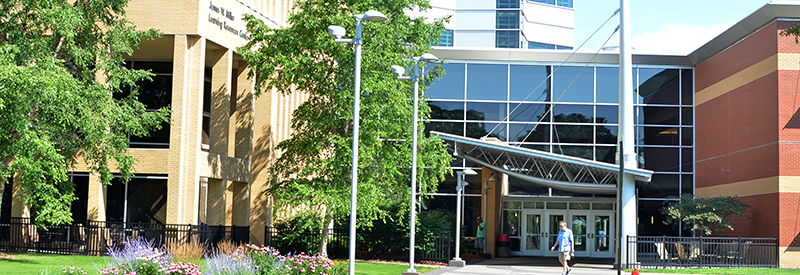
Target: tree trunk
(327,225)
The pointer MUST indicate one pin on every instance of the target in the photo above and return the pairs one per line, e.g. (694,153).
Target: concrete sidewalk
(530,265)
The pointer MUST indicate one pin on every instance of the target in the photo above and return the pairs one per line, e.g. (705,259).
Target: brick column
(184,147)
(262,157)
(490,195)
(96,201)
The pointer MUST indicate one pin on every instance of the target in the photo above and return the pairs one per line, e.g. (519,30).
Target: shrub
(235,263)
(188,252)
(226,246)
(136,256)
(300,233)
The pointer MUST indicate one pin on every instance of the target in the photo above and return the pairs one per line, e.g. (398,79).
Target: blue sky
(670,27)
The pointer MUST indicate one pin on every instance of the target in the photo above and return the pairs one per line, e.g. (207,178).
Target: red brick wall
(752,50)
(763,219)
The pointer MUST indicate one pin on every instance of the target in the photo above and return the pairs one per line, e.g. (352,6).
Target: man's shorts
(564,256)
(480,243)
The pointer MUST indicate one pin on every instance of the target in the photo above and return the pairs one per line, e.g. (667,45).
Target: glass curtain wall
(575,112)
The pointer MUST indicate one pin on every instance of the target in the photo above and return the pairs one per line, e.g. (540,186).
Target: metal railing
(370,244)
(698,252)
(94,237)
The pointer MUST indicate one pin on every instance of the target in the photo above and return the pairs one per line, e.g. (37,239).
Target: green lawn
(725,271)
(35,264)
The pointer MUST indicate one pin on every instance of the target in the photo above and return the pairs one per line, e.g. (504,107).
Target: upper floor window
(560,3)
(446,39)
(508,19)
(507,4)
(507,39)
(154,94)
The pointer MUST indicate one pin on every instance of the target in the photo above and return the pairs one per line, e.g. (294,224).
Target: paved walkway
(530,265)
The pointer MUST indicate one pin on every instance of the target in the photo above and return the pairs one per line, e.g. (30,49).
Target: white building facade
(526,24)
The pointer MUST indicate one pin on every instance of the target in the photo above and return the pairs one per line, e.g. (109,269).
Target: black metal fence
(698,252)
(93,237)
(370,244)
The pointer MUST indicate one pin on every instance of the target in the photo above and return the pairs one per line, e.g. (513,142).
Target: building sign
(224,20)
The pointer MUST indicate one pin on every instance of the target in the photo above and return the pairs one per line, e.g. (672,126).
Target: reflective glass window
(479,130)
(607,85)
(607,114)
(573,84)
(687,184)
(661,159)
(661,186)
(507,4)
(573,133)
(451,85)
(573,113)
(659,86)
(507,39)
(507,19)
(543,148)
(687,87)
(659,135)
(606,134)
(652,221)
(529,83)
(529,112)
(521,187)
(551,2)
(686,136)
(446,110)
(486,111)
(446,39)
(522,132)
(654,115)
(565,3)
(540,46)
(488,82)
(605,154)
(456,128)
(687,117)
(584,152)
(687,160)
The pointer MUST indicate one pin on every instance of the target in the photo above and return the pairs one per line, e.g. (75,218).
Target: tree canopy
(703,214)
(313,169)
(61,61)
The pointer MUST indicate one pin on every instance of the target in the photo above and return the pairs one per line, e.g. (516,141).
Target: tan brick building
(209,165)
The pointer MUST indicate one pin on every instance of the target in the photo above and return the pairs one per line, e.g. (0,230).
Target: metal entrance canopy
(543,168)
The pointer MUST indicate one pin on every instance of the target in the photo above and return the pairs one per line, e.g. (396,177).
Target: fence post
(701,252)
(739,252)
(664,261)
(777,253)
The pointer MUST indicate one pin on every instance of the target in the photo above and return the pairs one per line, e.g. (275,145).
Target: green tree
(313,170)
(60,65)
(703,214)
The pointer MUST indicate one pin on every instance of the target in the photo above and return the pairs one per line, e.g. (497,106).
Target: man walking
(566,246)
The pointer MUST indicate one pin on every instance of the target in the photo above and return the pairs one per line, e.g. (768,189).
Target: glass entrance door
(580,229)
(553,219)
(534,235)
(602,235)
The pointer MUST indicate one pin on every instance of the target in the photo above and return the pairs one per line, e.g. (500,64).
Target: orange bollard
(635,272)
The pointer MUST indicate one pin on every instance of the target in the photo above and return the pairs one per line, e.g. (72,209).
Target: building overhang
(542,168)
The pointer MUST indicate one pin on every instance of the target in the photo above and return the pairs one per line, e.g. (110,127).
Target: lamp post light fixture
(400,71)
(457,261)
(339,32)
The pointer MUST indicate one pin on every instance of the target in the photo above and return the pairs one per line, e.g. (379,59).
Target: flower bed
(141,257)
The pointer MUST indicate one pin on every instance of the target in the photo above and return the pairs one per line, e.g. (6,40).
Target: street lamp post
(457,261)
(338,32)
(400,71)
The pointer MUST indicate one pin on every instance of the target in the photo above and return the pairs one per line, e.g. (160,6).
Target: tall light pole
(400,71)
(457,261)
(338,32)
